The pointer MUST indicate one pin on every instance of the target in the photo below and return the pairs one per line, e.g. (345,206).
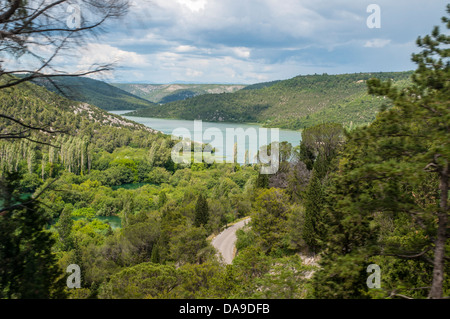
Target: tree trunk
(439,250)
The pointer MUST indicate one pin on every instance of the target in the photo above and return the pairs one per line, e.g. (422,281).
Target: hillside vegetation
(94,92)
(296,103)
(166,93)
(87,129)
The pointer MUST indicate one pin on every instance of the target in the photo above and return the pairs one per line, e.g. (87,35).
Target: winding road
(224,242)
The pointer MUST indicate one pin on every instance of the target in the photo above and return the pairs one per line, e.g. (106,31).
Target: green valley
(94,205)
(296,103)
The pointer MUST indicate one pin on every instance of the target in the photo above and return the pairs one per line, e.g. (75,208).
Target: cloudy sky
(250,41)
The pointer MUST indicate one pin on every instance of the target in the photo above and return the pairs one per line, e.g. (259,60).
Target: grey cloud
(330,35)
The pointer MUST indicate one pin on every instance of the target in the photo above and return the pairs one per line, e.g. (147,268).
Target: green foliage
(374,194)
(262,181)
(295,228)
(28,268)
(64,228)
(146,280)
(314,224)
(151,281)
(262,276)
(190,246)
(348,279)
(80,150)
(389,195)
(201,211)
(158,175)
(86,212)
(245,238)
(296,103)
(269,219)
(284,280)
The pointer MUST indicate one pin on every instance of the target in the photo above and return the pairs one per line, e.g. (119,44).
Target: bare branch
(393,294)
(8,14)
(42,143)
(42,129)
(35,75)
(415,255)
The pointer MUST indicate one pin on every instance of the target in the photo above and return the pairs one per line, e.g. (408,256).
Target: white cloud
(242,52)
(193,5)
(377,43)
(95,53)
(185,48)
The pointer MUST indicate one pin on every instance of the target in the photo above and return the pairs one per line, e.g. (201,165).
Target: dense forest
(296,103)
(81,186)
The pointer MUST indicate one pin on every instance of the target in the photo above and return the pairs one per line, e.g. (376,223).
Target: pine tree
(380,206)
(64,227)
(262,180)
(201,211)
(424,110)
(314,227)
(28,268)
(155,258)
(162,199)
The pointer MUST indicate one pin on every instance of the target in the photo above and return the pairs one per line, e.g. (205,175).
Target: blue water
(216,134)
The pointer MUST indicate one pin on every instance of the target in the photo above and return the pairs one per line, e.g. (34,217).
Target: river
(256,135)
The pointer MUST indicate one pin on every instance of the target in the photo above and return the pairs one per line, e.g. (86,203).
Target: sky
(252,41)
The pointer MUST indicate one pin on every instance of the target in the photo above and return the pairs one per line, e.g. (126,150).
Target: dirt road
(225,241)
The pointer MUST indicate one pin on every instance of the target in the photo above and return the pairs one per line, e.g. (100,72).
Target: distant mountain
(94,92)
(165,93)
(296,103)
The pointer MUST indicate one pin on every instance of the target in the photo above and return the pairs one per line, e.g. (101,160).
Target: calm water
(215,134)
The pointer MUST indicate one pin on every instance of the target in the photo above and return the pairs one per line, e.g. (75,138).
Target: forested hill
(94,92)
(82,129)
(300,102)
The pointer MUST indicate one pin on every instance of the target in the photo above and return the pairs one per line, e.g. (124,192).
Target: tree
(262,180)
(26,27)
(269,218)
(201,211)
(145,280)
(190,246)
(321,139)
(314,230)
(424,110)
(64,227)
(389,195)
(162,199)
(280,178)
(28,268)
(298,179)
